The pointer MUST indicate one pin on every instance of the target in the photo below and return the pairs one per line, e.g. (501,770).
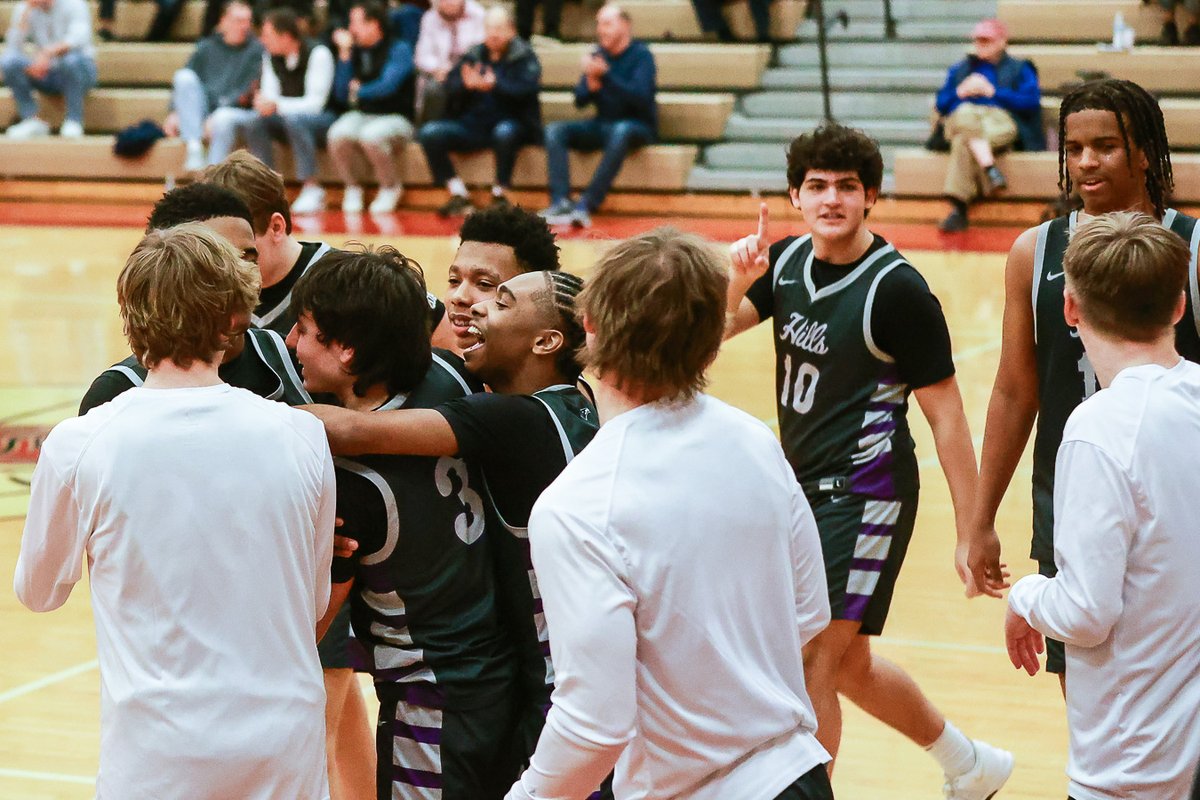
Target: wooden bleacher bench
(653,168)
(1077,20)
(652,19)
(690,117)
(920,173)
(1181,115)
(1169,70)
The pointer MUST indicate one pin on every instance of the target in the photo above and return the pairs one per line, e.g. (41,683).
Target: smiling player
(856,331)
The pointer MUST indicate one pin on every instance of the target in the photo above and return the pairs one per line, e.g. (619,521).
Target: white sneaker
(28,129)
(71,129)
(352,200)
(195,160)
(985,779)
(386,200)
(310,201)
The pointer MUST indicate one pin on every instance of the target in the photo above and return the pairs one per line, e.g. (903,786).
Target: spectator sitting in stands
(61,61)
(708,14)
(374,80)
(297,76)
(448,30)
(619,77)
(493,102)
(990,101)
(1170,31)
(551,18)
(223,72)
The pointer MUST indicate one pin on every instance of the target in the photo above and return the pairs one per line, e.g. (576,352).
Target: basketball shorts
(334,647)
(864,540)
(427,751)
(812,785)
(531,719)
(1056,651)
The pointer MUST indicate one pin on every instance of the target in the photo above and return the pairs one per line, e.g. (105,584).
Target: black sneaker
(1170,35)
(996,180)
(955,222)
(1191,35)
(456,206)
(106,35)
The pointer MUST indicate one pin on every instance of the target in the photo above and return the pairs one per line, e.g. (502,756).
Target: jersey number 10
(803,389)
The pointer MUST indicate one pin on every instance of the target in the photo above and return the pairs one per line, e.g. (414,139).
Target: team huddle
(622,587)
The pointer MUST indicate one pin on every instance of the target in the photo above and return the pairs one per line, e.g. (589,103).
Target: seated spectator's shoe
(456,206)
(1191,35)
(195,160)
(996,180)
(580,218)
(386,200)
(311,200)
(106,35)
(71,129)
(352,200)
(28,129)
(559,213)
(985,779)
(1170,35)
(955,222)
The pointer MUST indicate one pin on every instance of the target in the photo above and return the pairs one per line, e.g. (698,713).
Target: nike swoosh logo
(1052,275)
(786,282)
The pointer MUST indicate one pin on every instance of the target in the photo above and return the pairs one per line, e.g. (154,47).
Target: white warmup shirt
(207,518)
(1126,600)
(680,573)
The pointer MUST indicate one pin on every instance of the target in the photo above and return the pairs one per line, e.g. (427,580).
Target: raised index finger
(762,225)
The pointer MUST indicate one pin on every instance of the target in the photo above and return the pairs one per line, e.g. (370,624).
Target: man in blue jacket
(990,101)
(492,100)
(619,77)
(374,82)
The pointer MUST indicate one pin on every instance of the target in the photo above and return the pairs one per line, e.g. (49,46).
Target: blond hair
(179,291)
(260,188)
(656,303)
(1127,273)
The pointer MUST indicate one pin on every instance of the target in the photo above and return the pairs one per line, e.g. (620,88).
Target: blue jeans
(616,137)
(70,75)
(301,131)
(442,137)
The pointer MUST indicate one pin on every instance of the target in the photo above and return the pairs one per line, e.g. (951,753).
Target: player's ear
(1070,307)
(345,355)
(1180,308)
(870,196)
(277,227)
(547,342)
(794,196)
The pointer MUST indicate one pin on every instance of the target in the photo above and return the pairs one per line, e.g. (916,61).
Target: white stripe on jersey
(128,372)
(276,312)
(453,372)
(389,502)
(869,305)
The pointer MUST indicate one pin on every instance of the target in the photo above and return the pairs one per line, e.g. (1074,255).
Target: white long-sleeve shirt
(318,81)
(66,21)
(681,574)
(441,42)
(206,515)
(1126,600)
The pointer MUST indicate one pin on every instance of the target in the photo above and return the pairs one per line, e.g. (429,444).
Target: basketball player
(856,331)
(1114,153)
(208,572)
(254,359)
(1125,600)
(522,434)
(424,598)
(679,561)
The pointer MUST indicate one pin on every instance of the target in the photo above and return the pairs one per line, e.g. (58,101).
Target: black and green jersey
(841,400)
(264,367)
(1065,376)
(424,602)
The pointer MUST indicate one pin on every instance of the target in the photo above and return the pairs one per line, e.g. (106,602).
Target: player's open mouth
(460,322)
(1090,183)
(479,337)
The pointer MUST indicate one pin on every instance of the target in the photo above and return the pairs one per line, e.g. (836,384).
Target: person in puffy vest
(990,101)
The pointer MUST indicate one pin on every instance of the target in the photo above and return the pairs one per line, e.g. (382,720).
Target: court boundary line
(57,777)
(48,680)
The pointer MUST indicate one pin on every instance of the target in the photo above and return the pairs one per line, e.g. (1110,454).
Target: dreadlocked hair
(1137,112)
(559,299)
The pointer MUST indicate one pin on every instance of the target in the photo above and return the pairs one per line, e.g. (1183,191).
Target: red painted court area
(425,223)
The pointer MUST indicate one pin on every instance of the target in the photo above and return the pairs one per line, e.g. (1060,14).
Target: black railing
(816,12)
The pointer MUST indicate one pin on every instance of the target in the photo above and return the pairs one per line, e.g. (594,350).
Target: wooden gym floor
(61,328)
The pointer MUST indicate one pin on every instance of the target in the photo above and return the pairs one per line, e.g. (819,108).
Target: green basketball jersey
(1065,376)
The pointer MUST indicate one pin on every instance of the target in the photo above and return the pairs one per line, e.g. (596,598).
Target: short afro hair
(196,202)
(835,148)
(524,231)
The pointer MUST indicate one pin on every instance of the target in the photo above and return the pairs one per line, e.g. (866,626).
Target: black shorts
(812,785)
(864,540)
(1056,651)
(334,647)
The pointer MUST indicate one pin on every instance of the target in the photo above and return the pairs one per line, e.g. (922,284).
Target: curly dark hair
(524,231)
(196,202)
(374,301)
(836,148)
(1137,113)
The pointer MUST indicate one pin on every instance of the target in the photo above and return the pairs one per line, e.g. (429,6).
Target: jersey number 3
(468,525)
(803,388)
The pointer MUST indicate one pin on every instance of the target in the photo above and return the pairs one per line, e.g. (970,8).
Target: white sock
(498,191)
(953,751)
(457,187)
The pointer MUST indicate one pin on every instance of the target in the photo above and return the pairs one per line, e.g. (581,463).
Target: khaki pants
(964,177)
